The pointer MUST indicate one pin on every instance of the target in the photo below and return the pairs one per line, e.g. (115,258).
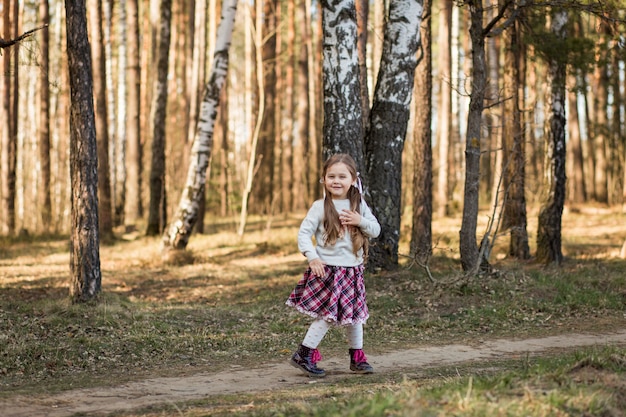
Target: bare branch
(488,242)
(7,43)
(496,19)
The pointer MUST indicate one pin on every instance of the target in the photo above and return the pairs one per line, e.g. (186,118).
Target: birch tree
(179,231)
(389,117)
(198,63)
(549,226)
(343,130)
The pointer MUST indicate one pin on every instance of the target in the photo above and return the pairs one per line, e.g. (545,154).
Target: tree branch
(497,18)
(5,44)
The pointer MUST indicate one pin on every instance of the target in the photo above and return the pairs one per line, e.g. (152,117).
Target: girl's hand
(349,218)
(317,267)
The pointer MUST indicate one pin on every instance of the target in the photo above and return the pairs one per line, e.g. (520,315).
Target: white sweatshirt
(339,254)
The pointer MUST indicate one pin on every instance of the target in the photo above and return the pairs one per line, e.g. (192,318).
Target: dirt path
(280,376)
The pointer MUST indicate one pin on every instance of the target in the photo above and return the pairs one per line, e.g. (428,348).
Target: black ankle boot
(358,362)
(305,360)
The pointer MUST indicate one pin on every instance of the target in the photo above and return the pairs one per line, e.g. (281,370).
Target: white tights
(317,331)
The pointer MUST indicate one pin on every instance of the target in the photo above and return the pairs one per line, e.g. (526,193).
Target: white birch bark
(197,65)
(177,234)
(343,125)
(549,224)
(388,125)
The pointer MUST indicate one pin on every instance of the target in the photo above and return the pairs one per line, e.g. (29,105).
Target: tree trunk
(111,105)
(61,142)
(362,12)
(198,65)
(218,163)
(254,140)
(459,46)
(600,126)
(535,150)
(421,233)
(8,143)
(491,161)
(617,141)
(444,112)
(343,120)
(196,78)
(133,208)
(86,278)
(589,161)
(224,184)
(290,113)
(15,101)
(576,192)
(619,127)
(378,28)
(178,232)
(468,247)
(44,121)
(316,105)
(263,186)
(102,123)
(280,194)
(302,194)
(549,225)
(513,149)
(119,188)
(388,125)
(156,218)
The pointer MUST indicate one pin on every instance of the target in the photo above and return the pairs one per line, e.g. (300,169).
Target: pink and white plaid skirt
(338,297)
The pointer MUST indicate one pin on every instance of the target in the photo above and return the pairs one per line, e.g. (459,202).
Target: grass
(225,305)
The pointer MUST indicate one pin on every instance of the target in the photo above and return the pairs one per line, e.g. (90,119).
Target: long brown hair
(332,224)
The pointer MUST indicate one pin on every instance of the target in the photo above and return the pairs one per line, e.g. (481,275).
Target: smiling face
(338,181)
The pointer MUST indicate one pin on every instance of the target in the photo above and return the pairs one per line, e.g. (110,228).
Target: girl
(332,289)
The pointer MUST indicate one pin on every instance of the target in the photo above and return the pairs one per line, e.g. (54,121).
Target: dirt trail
(280,376)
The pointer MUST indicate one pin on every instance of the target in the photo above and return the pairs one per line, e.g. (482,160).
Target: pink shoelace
(359,356)
(316,356)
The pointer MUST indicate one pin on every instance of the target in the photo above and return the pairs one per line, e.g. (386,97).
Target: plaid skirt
(338,297)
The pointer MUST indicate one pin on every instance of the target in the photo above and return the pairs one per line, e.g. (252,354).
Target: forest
(167,152)
(201,110)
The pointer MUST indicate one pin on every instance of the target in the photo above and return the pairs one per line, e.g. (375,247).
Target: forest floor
(281,376)
(210,335)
